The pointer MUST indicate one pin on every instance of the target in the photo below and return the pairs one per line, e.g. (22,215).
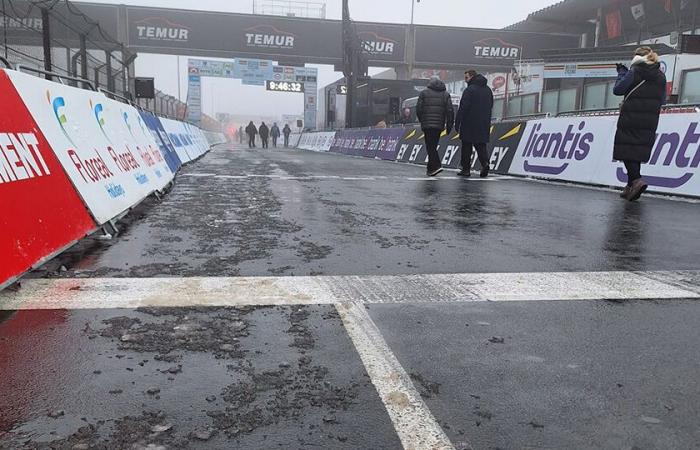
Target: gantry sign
(297,41)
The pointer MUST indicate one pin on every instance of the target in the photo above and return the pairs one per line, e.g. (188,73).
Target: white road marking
(413,421)
(329,177)
(100,293)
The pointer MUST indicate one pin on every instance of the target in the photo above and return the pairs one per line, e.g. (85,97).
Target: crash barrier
(72,160)
(317,142)
(572,149)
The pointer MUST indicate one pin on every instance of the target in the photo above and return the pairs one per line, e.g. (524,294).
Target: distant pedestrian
(274,134)
(286,131)
(643,86)
(264,135)
(406,117)
(241,133)
(473,122)
(435,113)
(251,131)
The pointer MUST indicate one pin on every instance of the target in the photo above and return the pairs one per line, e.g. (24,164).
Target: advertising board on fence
(83,129)
(318,142)
(41,211)
(166,147)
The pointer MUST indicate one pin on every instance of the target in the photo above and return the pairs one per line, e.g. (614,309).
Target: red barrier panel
(40,211)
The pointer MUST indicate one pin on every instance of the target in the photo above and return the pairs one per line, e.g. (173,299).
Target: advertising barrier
(41,212)
(166,147)
(177,137)
(317,142)
(89,136)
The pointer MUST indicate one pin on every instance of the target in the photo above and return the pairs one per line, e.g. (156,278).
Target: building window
(691,87)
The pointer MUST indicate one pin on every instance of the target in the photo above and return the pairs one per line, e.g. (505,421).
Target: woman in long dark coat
(644,87)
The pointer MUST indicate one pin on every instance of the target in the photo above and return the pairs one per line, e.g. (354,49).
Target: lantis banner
(161,137)
(41,211)
(91,138)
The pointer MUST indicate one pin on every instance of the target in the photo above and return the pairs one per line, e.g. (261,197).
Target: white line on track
(413,421)
(320,177)
(100,293)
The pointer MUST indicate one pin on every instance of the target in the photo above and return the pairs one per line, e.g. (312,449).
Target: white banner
(87,134)
(580,149)
(176,134)
(317,142)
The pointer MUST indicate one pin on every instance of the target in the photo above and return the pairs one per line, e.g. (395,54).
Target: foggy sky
(231,96)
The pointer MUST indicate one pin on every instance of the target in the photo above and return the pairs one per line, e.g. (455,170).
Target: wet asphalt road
(576,374)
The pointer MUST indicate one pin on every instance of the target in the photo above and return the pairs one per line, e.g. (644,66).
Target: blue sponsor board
(166,147)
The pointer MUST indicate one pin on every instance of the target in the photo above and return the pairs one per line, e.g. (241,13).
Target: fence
(55,36)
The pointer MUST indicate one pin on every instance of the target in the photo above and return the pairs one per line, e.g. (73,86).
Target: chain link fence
(55,36)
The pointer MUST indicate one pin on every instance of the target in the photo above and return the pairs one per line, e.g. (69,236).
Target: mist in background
(231,96)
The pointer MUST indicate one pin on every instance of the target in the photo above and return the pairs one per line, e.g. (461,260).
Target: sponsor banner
(673,167)
(166,147)
(318,142)
(90,136)
(571,148)
(388,142)
(505,138)
(481,47)
(41,211)
(178,139)
(351,142)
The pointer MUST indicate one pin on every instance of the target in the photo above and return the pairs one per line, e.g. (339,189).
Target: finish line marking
(413,421)
(339,178)
(102,293)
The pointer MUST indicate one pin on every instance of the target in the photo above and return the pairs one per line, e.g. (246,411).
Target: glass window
(612,101)
(514,106)
(498,108)
(550,102)
(567,99)
(691,87)
(594,96)
(529,104)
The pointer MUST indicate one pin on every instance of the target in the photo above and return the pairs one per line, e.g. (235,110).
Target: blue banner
(161,137)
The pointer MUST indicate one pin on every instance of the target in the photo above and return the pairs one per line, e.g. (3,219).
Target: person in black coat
(287,132)
(251,131)
(474,122)
(644,87)
(264,135)
(435,113)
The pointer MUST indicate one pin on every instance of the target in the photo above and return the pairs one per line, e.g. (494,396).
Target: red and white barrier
(41,211)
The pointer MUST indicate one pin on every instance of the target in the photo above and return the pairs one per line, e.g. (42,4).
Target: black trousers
(634,171)
(264,142)
(251,141)
(482,153)
(274,141)
(432,140)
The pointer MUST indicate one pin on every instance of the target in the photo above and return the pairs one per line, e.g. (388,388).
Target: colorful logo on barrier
(673,150)
(552,153)
(125,117)
(58,104)
(97,110)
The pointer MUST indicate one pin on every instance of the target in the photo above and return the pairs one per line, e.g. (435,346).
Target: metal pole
(83,58)
(110,75)
(179,92)
(46,37)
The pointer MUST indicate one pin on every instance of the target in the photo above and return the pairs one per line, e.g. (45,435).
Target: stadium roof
(561,15)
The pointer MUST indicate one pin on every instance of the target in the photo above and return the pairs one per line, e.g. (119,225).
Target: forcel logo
(97,110)
(552,153)
(674,149)
(57,105)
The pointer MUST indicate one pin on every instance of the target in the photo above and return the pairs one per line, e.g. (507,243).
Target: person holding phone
(643,87)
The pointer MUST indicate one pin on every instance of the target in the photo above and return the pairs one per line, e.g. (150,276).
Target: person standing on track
(643,86)
(251,131)
(473,122)
(435,113)
(287,132)
(274,134)
(264,135)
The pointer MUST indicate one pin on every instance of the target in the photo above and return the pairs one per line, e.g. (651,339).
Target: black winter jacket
(434,109)
(264,131)
(639,115)
(474,115)
(250,130)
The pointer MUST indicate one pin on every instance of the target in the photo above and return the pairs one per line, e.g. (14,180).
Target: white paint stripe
(96,293)
(330,177)
(413,421)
